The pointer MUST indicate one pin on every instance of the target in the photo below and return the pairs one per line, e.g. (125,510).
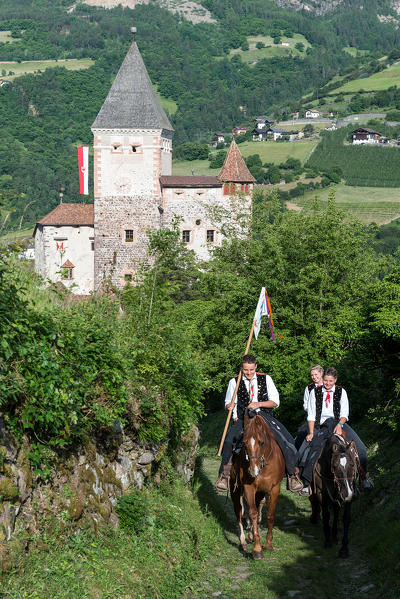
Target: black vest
(243,397)
(318,404)
(311,386)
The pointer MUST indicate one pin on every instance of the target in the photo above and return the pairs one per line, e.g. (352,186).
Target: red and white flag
(83,163)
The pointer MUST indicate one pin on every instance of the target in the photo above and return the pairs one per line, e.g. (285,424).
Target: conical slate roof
(234,168)
(132,102)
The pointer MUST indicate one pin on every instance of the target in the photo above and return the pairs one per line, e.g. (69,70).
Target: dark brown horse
(334,485)
(256,472)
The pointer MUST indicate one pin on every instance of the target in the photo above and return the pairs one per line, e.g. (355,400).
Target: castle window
(186,236)
(92,246)
(129,235)
(198,222)
(128,277)
(67,270)
(210,236)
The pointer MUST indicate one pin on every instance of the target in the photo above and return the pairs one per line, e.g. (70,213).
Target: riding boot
(222,482)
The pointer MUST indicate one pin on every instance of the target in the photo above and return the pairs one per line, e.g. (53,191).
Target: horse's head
(256,441)
(344,467)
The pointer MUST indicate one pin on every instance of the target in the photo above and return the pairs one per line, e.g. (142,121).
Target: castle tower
(132,149)
(234,173)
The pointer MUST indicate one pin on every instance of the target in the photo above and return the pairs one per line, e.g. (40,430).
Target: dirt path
(298,567)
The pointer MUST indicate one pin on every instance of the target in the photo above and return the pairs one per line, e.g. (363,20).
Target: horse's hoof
(270,548)
(344,552)
(243,549)
(258,554)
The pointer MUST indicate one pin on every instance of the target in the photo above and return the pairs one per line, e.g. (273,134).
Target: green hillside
(366,166)
(376,82)
(204,75)
(378,205)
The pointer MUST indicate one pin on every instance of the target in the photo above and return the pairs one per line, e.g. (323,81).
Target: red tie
(251,392)
(327,399)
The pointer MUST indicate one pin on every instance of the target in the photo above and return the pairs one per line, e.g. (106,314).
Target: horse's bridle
(260,457)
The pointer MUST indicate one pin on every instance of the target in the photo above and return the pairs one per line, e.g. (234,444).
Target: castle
(83,245)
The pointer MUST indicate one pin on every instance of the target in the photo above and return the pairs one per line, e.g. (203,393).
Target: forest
(46,115)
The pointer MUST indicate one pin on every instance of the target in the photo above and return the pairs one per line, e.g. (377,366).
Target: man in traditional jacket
(257,392)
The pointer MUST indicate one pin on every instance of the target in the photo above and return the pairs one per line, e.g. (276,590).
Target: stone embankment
(85,485)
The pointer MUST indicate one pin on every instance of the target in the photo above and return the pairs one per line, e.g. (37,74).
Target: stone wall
(85,485)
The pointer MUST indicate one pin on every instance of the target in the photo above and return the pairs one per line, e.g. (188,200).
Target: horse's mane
(256,427)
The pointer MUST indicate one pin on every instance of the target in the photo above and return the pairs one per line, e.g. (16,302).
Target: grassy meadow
(271,50)
(376,82)
(5,36)
(269,151)
(37,66)
(378,205)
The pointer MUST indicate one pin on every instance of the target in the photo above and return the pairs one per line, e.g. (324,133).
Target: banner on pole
(261,310)
(83,164)
(264,309)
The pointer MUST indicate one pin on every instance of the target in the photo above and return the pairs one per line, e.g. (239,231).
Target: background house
(363,135)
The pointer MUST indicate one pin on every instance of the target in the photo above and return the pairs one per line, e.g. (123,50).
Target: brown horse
(257,471)
(334,485)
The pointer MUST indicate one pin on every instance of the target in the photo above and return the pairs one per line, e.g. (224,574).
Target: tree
(299,46)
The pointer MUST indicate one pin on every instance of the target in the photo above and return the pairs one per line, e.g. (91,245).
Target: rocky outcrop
(85,485)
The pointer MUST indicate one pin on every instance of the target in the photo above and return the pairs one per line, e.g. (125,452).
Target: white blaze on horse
(257,471)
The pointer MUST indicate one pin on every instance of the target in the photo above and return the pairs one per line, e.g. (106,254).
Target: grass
(199,167)
(277,152)
(355,51)
(15,236)
(5,36)
(271,50)
(169,105)
(376,82)
(370,204)
(269,151)
(35,66)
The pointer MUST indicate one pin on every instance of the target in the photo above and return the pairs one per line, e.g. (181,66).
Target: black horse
(334,485)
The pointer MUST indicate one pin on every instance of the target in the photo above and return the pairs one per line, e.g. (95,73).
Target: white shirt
(327,412)
(273,394)
(306,398)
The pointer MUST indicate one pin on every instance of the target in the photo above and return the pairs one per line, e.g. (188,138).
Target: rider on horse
(257,392)
(327,414)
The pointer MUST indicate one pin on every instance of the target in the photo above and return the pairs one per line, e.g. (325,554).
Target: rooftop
(70,214)
(234,168)
(132,102)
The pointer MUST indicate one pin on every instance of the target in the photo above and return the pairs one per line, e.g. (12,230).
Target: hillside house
(362,136)
(239,130)
(260,134)
(219,138)
(262,122)
(277,133)
(313,114)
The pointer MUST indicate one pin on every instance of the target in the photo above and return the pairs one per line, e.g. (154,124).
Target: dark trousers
(302,433)
(281,436)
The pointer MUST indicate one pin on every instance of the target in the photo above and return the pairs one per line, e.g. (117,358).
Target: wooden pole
(236,390)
